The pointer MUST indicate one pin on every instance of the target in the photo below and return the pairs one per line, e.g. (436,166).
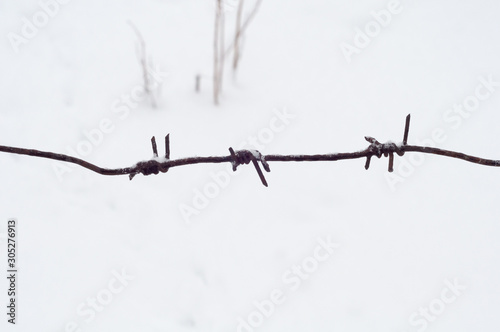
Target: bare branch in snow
(241,30)
(219,55)
(143,61)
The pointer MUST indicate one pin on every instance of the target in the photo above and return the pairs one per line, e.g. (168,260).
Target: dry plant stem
(240,157)
(217,55)
(197,84)
(144,64)
(221,49)
(237,35)
(244,26)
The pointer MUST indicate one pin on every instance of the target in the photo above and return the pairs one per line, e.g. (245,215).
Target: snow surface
(399,246)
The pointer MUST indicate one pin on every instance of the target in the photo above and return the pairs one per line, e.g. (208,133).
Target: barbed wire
(236,158)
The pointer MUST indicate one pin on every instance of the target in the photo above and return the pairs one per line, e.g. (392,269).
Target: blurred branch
(142,55)
(241,30)
(237,35)
(237,158)
(218,51)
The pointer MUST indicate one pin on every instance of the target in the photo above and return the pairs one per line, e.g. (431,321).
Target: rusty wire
(240,157)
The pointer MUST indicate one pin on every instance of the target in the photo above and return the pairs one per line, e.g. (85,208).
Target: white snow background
(400,245)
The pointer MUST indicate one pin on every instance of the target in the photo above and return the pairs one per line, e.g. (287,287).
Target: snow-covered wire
(236,158)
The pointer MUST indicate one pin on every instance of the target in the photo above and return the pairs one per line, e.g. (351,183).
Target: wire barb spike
(167,147)
(155,149)
(407,129)
(391,162)
(247,156)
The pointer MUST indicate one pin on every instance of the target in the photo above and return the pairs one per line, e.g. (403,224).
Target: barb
(167,147)
(245,156)
(240,157)
(155,148)
(407,129)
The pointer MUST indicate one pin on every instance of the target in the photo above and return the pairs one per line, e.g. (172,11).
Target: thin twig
(245,25)
(144,64)
(217,71)
(236,158)
(237,35)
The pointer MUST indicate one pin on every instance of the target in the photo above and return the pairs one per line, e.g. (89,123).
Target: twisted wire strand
(240,157)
